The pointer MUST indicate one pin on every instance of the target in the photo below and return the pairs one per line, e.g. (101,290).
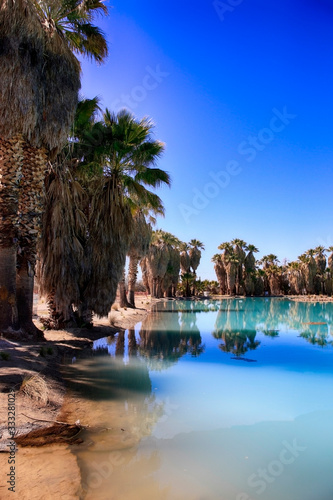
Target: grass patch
(35,387)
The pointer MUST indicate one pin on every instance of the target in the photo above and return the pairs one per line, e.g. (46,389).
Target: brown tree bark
(30,209)
(122,291)
(132,278)
(11,159)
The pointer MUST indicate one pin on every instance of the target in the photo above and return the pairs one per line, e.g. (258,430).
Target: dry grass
(35,387)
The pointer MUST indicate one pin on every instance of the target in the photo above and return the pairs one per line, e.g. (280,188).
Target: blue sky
(241,93)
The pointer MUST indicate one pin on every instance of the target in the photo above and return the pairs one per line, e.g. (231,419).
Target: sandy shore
(39,405)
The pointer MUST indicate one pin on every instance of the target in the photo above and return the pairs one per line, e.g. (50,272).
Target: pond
(210,400)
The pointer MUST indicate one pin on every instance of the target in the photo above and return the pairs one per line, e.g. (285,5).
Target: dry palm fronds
(35,387)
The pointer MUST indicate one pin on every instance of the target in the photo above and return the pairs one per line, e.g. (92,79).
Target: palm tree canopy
(72,21)
(38,40)
(252,248)
(196,244)
(238,242)
(225,246)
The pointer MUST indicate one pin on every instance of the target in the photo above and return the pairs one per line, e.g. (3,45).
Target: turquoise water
(228,400)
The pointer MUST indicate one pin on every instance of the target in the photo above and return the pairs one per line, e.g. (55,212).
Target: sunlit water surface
(228,400)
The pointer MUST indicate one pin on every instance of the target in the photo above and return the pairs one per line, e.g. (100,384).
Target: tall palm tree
(38,40)
(220,272)
(239,249)
(249,277)
(139,246)
(185,261)
(195,253)
(115,175)
(295,278)
(273,273)
(250,261)
(232,263)
(330,259)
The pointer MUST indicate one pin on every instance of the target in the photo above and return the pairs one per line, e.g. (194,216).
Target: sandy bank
(58,477)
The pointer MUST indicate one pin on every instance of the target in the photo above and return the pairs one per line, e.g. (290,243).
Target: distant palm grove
(238,271)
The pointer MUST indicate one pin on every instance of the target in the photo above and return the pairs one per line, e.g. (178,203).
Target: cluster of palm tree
(168,259)
(238,271)
(98,200)
(235,268)
(39,85)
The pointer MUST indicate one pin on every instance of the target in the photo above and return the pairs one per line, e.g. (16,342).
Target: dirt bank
(31,371)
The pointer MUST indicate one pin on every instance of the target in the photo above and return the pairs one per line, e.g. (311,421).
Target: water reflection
(162,339)
(181,433)
(238,322)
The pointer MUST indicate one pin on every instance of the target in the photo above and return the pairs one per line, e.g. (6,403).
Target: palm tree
(295,278)
(195,254)
(220,272)
(320,258)
(330,259)
(249,270)
(39,40)
(115,175)
(157,262)
(139,246)
(250,261)
(128,154)
(185,261)
(239,250)
(309,269)
(273,273)
(231,263)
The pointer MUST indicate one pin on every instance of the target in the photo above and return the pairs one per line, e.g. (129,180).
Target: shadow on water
(108,379)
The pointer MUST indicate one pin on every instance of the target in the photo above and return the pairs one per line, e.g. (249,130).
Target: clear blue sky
(243,101)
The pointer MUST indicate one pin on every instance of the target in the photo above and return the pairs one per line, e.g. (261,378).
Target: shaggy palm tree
(160,265)
(37,40)
(239,250)
(117,173)
(249,277)
(330,259)
(139,246)
(128,155)
(250,261)
(231,263)
(195,254)
(295,278)
(220,272)
(185,261)
(320,258)
(273,273)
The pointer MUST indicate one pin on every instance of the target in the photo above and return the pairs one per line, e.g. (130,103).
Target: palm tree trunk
(132,277)
(30,208)
(122,291)
(11,159)
(8,309)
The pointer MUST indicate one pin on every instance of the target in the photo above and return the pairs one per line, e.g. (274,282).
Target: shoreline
(44,359)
